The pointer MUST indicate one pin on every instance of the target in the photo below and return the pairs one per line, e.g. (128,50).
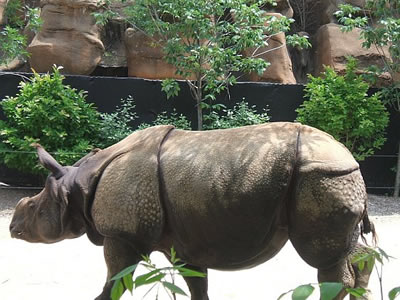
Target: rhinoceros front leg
(118,255)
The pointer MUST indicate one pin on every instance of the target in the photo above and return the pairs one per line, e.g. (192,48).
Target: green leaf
(185,272)
(394,293)
(173,288)
(284,294)
(117,290)
(357,292)
(330,290)
(128,282)
(302,292)
(124,272)
(148,278)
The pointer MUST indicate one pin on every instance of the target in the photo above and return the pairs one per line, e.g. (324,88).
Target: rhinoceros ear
(48,161)
(83,159)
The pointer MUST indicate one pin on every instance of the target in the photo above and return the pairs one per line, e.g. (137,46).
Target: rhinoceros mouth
(17,234)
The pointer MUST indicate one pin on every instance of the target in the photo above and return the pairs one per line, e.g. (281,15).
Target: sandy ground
(75,269)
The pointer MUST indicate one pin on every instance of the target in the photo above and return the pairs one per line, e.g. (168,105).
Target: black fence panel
(281,100)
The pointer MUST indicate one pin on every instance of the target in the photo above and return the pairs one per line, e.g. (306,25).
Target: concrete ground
(75,269)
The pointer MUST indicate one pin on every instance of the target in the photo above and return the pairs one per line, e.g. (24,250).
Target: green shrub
(340,106)
(48,112)
(179,121)
(240,115)
(117,125)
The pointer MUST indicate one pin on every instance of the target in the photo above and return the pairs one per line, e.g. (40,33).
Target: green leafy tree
(48,112)
(340,106)
(380,28)
(12,39)
(205,40)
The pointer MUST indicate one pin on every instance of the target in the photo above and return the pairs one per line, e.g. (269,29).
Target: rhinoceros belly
(225,193)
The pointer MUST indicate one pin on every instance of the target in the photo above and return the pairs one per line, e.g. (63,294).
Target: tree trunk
(199,116)
(199,99)
(397,182)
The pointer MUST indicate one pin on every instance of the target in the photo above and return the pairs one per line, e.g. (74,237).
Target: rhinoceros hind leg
(323,223)
(342,272)
(349,274)
(198,286)
(361,276)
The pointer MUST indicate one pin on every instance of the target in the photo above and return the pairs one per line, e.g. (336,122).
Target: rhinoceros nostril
(15,232)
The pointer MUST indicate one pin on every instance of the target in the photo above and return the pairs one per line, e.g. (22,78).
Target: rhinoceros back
(319,151)
(225,191)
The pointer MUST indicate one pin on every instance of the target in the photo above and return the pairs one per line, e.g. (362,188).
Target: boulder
(144,59)
(3,4)
(333,46)
(68,37)
(276,53)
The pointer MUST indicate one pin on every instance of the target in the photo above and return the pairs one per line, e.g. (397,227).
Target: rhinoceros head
(47,217)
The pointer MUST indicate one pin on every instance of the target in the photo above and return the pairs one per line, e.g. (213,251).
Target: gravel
(383,205)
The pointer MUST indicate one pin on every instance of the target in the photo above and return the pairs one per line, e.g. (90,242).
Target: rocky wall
(70,37)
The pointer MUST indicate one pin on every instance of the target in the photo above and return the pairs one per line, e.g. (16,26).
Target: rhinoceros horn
(48,161)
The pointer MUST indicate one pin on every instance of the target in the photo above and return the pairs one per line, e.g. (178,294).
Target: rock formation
(333,46)
(69,37)
(143,59)
(276,53)
(3,4)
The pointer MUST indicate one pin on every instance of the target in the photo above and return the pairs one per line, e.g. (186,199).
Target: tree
(380,24)
(205,40)
(12,39)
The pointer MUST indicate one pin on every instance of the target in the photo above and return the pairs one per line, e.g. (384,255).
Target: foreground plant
(164,277)
(329,290)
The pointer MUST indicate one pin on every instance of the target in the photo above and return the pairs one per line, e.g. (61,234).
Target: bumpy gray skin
(224,199)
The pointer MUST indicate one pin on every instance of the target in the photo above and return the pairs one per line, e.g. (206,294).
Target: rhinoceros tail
(368,227)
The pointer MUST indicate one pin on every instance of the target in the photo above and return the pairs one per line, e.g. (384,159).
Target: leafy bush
(117,125)
(179,121)
(46,111)
(340,106)
(240,115)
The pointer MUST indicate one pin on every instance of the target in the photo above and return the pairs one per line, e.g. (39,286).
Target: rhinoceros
(225,199)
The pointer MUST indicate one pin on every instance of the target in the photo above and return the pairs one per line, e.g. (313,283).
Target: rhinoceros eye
(31,204)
